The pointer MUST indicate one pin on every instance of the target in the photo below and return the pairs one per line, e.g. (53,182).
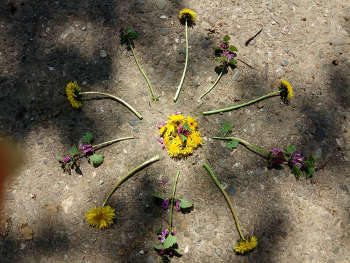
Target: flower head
(180,135)
(297,160)
(163,235)
(286,90)
(100,216)
(67,159)
(165,204)
(73,93)
(177,206)
(187,15)
(246,245)
(275,151)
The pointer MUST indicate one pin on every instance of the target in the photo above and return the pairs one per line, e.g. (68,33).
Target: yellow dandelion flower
(187,15)
(177,118)
(197,139)
(286,90)
(72,91)
(244,246)
(174,150)
(192,122)
(100,216)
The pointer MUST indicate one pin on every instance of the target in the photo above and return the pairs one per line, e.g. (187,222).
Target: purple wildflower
(84,146)
(161,141)
(178,112)
(297,159)
(67,159)
(163,235)
(173,233)
(223,45)
(164,181)
(161,125)
(162,252)
(276,151)
(171,253)
(165,204)
(87,150)
(177,205)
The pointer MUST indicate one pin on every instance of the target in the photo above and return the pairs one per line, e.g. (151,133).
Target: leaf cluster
(127,37)
(75,154)
(225,48)
(169,248)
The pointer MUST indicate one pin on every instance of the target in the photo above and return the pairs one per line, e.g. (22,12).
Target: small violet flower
(164,181)
(276,151)
(297,159)
(163,235)
(161,141)
(67,159)
(165,204)
(177,206)
(178,112)
(161,125)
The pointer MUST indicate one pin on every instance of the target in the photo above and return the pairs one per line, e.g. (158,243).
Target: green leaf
(187,128)
(233,63)
(178,251)
(169,241)
(291,149)
(158,247)
(185,204)
(73,151)
(315,157)
(87,138)
(232,144)
(226,127)
(296,171)
(159,232)
(59,157)
(183,137)
(158,196)
(226,38)
(96,159)
(165,259)
(232,49)
(309,172)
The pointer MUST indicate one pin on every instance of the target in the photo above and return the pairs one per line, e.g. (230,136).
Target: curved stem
(127,176)
(112,141)
(154,97)
(235,217)
(272,94)
(252,146)
(116,98)
(172,200)
(216,82)
(185,68)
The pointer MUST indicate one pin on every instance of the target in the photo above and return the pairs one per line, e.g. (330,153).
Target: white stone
(67,204)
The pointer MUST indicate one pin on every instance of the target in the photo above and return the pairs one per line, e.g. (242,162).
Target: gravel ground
(45,44)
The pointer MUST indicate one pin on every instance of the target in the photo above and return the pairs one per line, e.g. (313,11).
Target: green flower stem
(154,97)
(172,200)
(127,176)
(185,68)
(110,142)
(206,166)
(272,94)
(216,82)
(116,98)
(249,145)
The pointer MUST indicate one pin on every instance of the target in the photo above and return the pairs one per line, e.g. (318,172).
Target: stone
(300,191)
(284,63)
(231,190)
(197,230)
(103,53)
(134,122)
(206,43)
(67,204)
(245,182)
(218,251)
(163,17)
(236,74)
(164,31)
(344,187)
(151,259)
(160,4)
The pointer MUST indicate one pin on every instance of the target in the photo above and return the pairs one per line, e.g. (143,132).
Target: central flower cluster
(179,135)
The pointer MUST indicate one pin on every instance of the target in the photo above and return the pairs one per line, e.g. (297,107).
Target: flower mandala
(179,135)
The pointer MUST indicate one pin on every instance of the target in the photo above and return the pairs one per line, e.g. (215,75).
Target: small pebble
(344,187)
(103,53)
(284,63)
(163,17)
(142,252)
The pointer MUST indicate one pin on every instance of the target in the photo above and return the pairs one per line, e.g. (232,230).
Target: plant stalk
(127,176)
(154,97)
(272,94)
(213,86)
(116,98)
(235,217)
(249,145)
(172,201)
(185,68)
(112,141)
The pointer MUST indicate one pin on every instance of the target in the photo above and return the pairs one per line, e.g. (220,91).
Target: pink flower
(66,159)
(177,205)
(178,112)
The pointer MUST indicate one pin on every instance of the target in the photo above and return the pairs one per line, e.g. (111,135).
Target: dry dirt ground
(44,44)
